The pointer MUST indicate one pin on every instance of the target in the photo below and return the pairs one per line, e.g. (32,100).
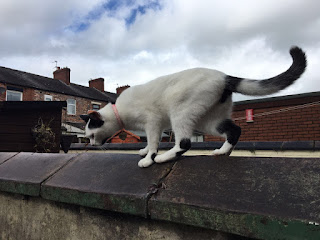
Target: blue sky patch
(111,8)
(142,9)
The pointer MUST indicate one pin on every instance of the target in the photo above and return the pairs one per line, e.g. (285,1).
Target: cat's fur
(194,99)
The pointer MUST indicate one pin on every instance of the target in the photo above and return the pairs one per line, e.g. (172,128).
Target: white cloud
(247,38)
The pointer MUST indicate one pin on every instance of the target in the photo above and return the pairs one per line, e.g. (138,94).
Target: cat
(195,99)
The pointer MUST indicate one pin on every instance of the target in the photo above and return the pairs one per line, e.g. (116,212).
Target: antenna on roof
(56,65)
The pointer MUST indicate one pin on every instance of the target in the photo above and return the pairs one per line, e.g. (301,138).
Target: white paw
(219,152)
(145,162)
(162,158)
(143,152)
(226,149)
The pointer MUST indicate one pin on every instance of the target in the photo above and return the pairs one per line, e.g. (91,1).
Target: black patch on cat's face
(232,131)
(85,118)
(95,123)
(185,144)
(94,118)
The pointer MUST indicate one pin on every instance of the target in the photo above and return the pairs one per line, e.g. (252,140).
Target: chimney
(121,89)
(62,75)
(97,83)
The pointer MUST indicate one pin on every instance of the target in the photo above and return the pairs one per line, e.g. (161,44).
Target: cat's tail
(274,84)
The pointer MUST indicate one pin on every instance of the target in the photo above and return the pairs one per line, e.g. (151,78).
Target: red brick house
(287,118)
(22,86)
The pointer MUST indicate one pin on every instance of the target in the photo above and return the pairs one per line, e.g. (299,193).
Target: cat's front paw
(143,152)
(163,158)
(221,152)
(145,162)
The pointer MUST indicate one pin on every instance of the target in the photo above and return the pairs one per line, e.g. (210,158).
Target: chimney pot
(97,83)
(121,89)
(62,75)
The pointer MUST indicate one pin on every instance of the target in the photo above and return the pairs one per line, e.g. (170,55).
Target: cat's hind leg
(231,132)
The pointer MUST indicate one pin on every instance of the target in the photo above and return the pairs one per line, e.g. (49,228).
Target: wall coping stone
(257,197)
(252,146)
(24,173)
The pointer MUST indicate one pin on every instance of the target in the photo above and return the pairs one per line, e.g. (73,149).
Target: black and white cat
(194,99)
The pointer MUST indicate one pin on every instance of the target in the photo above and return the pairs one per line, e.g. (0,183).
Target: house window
(71,106)
(197,138)
(47,98)
(14,95)
(95,106)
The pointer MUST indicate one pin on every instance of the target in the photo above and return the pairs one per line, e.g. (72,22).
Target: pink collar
(115,110)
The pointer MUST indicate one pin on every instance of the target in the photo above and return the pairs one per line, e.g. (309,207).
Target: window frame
(48,96)
(95,103)
(72,104)
(14,91)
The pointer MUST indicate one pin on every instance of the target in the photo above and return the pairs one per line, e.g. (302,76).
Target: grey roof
(24,79)
(273,99)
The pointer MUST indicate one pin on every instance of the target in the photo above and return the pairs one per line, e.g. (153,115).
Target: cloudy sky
(131,42)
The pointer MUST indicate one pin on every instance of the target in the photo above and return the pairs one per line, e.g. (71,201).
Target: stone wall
(107,196)
(32,218)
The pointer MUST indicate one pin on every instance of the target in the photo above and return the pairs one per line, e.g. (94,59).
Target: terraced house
(17,85)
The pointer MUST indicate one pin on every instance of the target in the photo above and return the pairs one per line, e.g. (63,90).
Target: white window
(197,138)
(14,95)
(47,98)
(71,106)
(96,106)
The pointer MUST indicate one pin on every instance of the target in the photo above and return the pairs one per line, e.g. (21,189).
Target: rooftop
(30,80)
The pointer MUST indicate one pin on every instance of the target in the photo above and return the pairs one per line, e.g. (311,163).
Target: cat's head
(99,127)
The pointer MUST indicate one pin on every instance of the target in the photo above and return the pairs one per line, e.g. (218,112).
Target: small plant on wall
(43,136)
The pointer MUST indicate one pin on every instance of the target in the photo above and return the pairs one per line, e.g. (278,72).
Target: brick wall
(28,94)
(82,104)
(295,125)
(2,92)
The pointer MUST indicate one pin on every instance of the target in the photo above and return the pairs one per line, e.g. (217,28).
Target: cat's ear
(94,115)
(85,118)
